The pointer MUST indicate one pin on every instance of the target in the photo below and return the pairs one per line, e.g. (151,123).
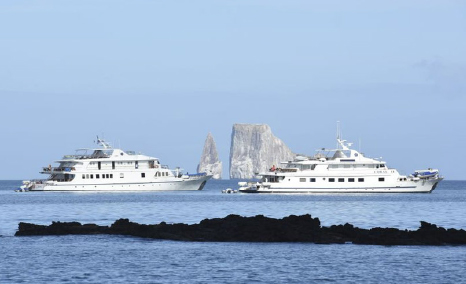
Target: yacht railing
(58,169)
(286,170)
(83,157)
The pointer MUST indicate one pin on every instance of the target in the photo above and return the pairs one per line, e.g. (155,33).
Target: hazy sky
(158,76)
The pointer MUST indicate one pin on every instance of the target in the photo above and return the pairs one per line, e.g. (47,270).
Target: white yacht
(341,170)
(109,169)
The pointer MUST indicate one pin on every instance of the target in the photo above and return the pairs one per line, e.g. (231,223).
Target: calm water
(114,259)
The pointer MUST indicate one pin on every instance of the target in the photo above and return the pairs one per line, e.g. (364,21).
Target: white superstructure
(340,170)
(109,169)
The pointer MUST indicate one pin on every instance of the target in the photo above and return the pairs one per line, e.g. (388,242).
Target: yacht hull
(419,186)
(169,185)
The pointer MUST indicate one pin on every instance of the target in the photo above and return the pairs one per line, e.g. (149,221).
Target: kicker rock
(255,149)
(209,159)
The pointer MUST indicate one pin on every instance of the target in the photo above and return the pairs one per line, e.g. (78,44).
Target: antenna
(338,134)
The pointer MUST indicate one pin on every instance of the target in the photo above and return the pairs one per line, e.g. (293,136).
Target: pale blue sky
(157,76)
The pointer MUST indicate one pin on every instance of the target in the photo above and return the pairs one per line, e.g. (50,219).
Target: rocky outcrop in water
(209,159)
(255,149)
(234,228)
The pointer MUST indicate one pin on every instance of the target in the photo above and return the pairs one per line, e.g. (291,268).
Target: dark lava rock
(234,228)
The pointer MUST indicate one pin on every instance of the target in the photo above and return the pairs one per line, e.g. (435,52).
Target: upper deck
(105,152)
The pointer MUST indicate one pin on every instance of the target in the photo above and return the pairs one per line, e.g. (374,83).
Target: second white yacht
(342,170)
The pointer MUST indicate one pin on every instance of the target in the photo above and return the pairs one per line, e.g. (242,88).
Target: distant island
(235,228)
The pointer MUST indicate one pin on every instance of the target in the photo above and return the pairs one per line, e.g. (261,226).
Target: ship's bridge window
(331,180)
(302,179)
(312,180)
(381,179)
(143,175)
(101,153)
(341,179)
(360,179)
(350,179)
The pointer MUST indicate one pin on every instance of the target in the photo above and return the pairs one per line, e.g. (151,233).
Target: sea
(122,259)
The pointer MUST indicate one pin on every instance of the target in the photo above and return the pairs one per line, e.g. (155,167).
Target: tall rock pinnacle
(255,149)
(209,160)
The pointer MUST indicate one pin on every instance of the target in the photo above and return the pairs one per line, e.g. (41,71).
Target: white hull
(180,184)
(409,186)
(421,186)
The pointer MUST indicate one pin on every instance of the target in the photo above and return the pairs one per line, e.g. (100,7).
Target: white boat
(111,169)
(341,170)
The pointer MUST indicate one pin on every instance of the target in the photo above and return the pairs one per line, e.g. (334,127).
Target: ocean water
(118,259)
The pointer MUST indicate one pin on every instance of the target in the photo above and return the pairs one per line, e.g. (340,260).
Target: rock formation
(255,149)
(209,160)
(234,228)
